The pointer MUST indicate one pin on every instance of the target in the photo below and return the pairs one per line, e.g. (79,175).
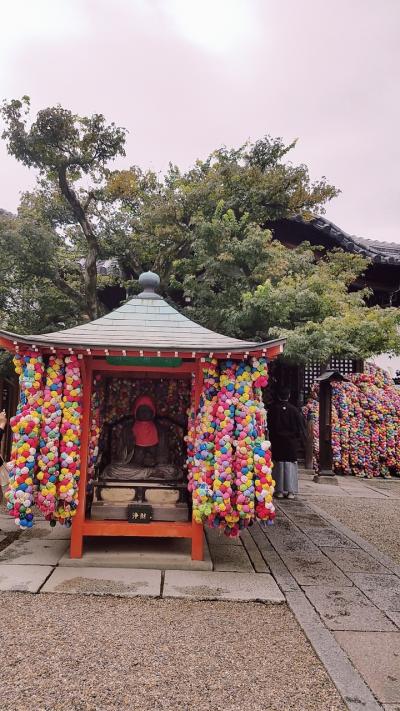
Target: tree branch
(66,289)
(90,271)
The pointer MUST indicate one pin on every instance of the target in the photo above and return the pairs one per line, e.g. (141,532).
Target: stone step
(306,473)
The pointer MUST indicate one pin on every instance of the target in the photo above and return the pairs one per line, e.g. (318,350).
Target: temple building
(383,274)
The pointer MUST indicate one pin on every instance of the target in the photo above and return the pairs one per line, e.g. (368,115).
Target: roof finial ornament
(149,281)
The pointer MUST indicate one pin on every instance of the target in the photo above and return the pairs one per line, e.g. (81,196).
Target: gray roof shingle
(146,322)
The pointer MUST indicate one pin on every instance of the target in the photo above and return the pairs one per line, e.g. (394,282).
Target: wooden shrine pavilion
(145,347)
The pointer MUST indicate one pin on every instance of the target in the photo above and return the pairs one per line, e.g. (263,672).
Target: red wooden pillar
(79,518)
(197,528)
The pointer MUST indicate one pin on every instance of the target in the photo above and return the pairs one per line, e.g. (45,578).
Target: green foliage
(59,139)
(71,154)
(312,306)
(208,232)
(40,280)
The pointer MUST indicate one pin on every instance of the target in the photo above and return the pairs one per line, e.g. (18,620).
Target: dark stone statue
(147,448)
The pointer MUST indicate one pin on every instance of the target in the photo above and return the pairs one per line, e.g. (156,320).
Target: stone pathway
(344,593)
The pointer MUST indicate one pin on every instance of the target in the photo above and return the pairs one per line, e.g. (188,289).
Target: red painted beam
(155,529)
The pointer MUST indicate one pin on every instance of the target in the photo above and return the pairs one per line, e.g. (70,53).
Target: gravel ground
(376,520)
(64,653)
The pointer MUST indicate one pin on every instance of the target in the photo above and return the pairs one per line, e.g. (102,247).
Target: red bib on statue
(144,431)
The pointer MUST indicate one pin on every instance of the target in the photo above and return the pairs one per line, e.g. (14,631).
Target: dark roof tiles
(380,252)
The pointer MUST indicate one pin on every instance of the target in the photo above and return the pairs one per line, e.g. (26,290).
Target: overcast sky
(187,76)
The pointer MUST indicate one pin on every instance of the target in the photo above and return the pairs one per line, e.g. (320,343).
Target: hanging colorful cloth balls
(264,483)
(200,442)
(224,498)
(48,461)
(98,399)
(246,435)
(229,460)
(25,426)
(365,424)
(67,485)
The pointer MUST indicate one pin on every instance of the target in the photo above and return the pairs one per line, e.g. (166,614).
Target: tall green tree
(208,232)
(40,278)
(165,219)
(72,154)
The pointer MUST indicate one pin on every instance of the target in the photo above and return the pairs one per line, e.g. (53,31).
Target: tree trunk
(90,269)
(90,280)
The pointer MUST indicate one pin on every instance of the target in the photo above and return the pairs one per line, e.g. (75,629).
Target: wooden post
(79,518)
(197,528)
(309,445)
(325,469)
(325,417)
(197,541)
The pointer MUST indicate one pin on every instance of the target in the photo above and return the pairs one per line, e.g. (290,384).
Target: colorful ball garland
(98,399)
(201,445)
(225,514)
(246,435)
(48,458)
(264,483)
(229,460)
(365,424)
(25,426)
(67,485)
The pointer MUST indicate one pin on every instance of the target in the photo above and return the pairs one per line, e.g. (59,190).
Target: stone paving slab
(216,537)
(194,585)
(289,507)
(153,553)
(231,558)
(361,542)
(391,707)
(354,560)
(376,655)
(383,590)
(344,608)
(27,551)
(298,544)
(345,487)
(328,537)
(394,616)
(23,578)
(316,489)
(280,572)
(44,530)
(307,519)
(313,570)
(253,552)
(120,582)
(348,681)
(283,527)
(366,494)
(7,524)
(290,539)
